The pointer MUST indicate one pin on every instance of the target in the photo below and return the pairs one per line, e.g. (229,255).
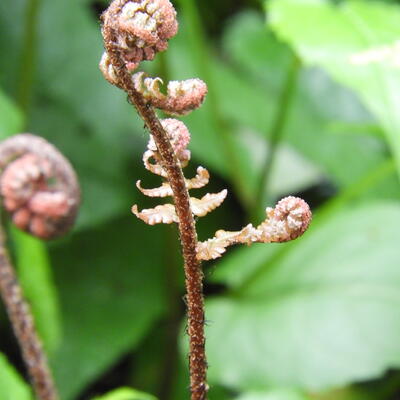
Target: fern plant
(134,31)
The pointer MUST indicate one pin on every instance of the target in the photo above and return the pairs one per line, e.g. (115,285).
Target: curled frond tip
(140,28)
(287,221)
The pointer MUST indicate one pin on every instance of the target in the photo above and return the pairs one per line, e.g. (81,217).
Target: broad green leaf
(12,386)
(126,394)
(110,283)
(323,313)
(356,42)
(318,104)
(278,394)
(36,276)
(256,52)
(290,172)
(242,262)
(359,392)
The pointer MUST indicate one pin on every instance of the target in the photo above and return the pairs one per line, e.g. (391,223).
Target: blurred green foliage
(126,394)
(303,98)
(11,384)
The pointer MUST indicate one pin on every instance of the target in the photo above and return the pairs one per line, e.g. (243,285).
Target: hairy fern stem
(186,224)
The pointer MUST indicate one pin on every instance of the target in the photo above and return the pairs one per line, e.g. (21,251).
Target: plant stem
(24,328)
(18,309)
(27,63)
(173,290)
(277,129)
(187,229)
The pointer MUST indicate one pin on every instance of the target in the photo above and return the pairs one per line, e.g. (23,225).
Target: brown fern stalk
(187,230)
(39,189)
(23,324)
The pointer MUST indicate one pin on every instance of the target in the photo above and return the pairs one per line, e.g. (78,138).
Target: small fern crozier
(287,221)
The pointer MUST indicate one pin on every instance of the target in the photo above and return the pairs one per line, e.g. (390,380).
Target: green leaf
(318,104)
(36,277)
(291,172)
(356,43)
(256,52)
(126,394)
(323,313)
(278,394)
(110,283)
(11,119)
(12,386)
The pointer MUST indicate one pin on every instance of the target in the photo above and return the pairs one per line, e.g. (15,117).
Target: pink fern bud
(143,28)
(178,133)
(28,196)
(185,96)
(21,179)
(179,136)
(287,221)
(51,204)
(182,96)
(38,186)
(22,218)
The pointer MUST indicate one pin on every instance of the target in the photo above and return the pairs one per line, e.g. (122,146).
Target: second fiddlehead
(39,188)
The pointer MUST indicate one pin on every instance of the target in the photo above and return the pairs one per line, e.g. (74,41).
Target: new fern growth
(40,190)
(135,30)
(288,220)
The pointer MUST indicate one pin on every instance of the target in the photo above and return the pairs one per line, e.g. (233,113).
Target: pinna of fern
(287,221)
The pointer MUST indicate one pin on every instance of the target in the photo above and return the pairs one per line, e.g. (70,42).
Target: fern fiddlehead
(40,190)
